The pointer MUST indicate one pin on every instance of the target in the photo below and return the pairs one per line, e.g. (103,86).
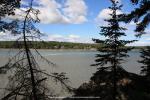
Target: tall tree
(28,81)
(145,60)
(140,15)
(7,7)
(111,81)
(113,52)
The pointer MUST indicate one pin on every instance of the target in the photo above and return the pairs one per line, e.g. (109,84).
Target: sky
(79,20)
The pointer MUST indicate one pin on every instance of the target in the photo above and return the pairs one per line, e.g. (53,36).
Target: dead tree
(28,81)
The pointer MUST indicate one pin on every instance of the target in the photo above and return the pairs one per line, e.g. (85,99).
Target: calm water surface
(76,64)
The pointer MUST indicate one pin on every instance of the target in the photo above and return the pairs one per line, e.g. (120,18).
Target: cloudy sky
(79,20)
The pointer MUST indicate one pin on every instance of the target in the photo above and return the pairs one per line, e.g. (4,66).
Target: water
(76,64)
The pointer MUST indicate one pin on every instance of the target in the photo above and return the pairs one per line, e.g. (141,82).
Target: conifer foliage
(112,54)
(145,55)
(140,15)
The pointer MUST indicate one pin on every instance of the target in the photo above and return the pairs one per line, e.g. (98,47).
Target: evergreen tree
(140,15)
(145,55)
(112,54)
(111,81)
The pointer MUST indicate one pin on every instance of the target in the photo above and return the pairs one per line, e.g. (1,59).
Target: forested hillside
(49,45)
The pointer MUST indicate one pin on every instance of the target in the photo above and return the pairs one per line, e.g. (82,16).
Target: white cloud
(148,39)
(68,38)
(49,12)
(2,33)
(24,2)
(19,14)
(118,1)
(7,36)
(72,11)
(132,23)
(105,14)
(73,36)
(75,11)
(147,31)
(55,37)
(69,12)
(61,38)
(140,43)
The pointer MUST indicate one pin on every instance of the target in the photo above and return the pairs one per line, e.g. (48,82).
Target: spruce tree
(112,54)
(140,15)
(145,60)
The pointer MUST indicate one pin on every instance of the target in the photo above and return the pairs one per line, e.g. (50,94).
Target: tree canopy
(7,7)
(106,81)
(141,15)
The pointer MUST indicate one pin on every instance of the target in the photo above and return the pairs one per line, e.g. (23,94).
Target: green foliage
(140,15)
(111,56)
(130,87)
(111,81)
(48,45)
(145,60)
(113,51)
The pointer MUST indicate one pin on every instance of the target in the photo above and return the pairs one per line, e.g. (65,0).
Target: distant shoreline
(48,45)
(62,49)
(53,49)
(54,45)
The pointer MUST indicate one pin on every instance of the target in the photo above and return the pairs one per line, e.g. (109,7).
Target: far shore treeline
(54,45)
(48,45)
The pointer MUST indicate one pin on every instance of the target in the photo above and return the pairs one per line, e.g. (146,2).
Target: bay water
(75,63)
